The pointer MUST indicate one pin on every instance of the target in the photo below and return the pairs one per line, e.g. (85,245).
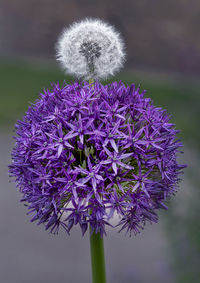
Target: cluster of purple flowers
(85,152)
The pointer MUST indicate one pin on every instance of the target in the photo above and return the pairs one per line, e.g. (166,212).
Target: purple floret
(84,153)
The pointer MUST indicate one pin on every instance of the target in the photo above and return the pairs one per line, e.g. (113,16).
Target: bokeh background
(163,56)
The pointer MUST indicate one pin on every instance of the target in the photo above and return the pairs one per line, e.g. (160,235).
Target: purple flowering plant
(103,149)
(86,151)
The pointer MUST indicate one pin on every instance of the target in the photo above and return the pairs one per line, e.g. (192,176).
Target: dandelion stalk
(91,81)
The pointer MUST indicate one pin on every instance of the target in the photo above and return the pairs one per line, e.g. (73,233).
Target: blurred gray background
(158,34)
(163,56)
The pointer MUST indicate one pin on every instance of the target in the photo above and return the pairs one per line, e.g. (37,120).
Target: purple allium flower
(85,152)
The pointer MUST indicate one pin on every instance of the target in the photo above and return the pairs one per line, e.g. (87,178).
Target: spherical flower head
(90,49)
(83,154)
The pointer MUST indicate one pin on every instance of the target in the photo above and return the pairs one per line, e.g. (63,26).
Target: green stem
(91,81)
(97,251)
(97,258)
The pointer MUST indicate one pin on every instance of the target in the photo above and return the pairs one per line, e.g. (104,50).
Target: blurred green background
(175,86)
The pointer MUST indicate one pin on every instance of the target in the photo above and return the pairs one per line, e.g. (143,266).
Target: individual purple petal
(114,145)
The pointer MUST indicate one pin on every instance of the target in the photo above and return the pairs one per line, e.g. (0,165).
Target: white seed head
(90,49)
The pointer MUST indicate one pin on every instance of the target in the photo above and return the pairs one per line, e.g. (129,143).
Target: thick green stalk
(97,258)
(97,251)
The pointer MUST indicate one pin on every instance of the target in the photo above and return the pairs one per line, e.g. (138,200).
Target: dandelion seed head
(90,49)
